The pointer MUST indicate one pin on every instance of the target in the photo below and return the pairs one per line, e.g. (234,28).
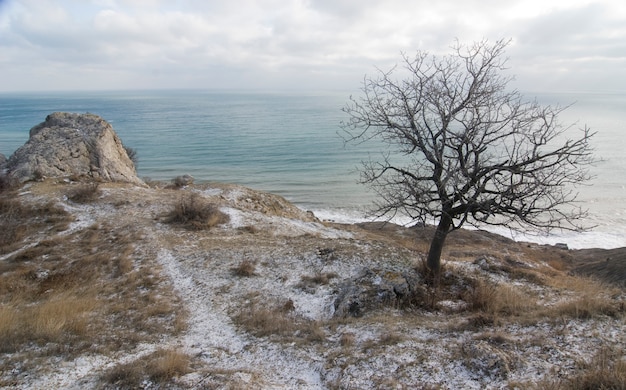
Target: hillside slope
(113,285)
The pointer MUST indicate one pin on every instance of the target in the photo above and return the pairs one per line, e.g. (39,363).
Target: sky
(58,45)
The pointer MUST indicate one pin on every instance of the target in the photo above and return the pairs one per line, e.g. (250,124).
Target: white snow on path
(209,329)
(213,337)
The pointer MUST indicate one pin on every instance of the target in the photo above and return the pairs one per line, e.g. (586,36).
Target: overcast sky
(557,45)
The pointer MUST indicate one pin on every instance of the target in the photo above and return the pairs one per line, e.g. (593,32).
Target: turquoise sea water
(289,144)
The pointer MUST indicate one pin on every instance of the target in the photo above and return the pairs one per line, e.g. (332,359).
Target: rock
(374,289)
(3,161)
(69,144)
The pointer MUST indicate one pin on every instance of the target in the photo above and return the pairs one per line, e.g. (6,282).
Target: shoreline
(590,239)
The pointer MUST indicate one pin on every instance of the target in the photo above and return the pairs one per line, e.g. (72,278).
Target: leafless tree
(464,149)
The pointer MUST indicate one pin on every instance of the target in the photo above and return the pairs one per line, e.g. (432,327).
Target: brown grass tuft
(161,366)
(166,364)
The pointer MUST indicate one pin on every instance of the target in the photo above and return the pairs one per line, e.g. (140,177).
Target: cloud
(68,44)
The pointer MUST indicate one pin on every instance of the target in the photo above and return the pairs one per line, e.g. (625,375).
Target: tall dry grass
(497,299)
(87,289)
(588,298)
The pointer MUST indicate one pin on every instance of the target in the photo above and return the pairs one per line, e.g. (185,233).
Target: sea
(291,144)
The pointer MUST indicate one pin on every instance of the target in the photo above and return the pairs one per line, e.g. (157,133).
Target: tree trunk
(436,245)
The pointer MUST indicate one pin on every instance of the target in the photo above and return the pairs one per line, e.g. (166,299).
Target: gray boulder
(374,289)
(3,161)
(69,144)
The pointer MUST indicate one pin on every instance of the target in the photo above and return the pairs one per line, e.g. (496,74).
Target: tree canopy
(465,148)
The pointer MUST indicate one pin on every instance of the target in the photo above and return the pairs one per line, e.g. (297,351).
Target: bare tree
(467,150)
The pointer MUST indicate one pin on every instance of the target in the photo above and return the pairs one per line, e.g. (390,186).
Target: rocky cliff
(66,144)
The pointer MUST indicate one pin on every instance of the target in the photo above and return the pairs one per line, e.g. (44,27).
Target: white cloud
(67,44)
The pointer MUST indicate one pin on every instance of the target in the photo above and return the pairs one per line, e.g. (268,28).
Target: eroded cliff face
(67,144)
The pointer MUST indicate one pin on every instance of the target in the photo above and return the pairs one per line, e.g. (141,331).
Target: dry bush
(245,269)
(195,213)
(132,155)
(84,193)
(182,181)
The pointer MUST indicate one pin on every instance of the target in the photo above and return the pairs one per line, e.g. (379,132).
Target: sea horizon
(289,143)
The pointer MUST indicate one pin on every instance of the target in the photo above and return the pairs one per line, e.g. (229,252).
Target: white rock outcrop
(68,144)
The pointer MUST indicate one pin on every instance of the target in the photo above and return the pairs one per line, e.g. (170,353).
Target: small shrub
(245,269)
(84,193)
(182,181)
(193,212)
(132,155)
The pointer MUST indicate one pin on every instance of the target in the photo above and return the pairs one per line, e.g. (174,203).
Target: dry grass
(347,339)
(19,220)
(64,316)
(606,371)
(310,282)
(195,213)
(278,320)
(496,299)
(79,291)
(587,298)
(161,367)
(84,193)
(246,268)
